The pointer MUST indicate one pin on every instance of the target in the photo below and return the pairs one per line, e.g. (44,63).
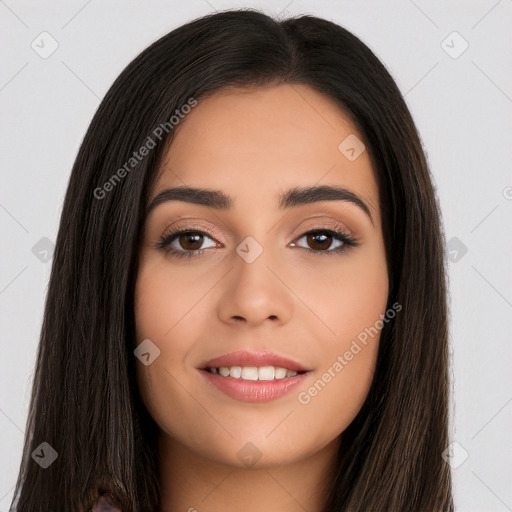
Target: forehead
(255,142)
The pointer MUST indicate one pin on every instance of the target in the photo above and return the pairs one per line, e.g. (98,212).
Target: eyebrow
(297,196)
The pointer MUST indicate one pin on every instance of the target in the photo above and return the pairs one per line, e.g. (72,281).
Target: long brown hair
(85,402)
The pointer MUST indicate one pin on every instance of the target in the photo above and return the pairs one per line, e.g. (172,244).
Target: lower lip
(253,390)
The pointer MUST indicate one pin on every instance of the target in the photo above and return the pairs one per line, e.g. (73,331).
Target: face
(293,281)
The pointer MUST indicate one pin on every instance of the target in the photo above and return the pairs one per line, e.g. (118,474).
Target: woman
(247,304)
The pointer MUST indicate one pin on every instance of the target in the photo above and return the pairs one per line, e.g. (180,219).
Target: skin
(254,144)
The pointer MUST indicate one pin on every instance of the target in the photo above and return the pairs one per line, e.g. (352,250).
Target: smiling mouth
(254,373)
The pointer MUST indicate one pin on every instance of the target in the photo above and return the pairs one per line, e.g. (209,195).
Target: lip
(253,391)
(250,390)
(245,358)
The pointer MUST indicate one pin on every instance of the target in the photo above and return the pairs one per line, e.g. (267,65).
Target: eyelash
(166,239)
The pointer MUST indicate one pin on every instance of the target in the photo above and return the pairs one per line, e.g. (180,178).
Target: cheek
(350,303)
(347,295)
(167,307)
(156,312)
(160,302)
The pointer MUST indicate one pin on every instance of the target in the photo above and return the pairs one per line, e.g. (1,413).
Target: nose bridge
(254,291)
(253,278)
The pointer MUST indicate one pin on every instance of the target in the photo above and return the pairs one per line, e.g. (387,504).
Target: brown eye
(319,241)
(190,241)
(186,243)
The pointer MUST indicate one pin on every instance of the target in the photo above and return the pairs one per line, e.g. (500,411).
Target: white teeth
(249,373)
(235,371)
(280,373)
(264,373)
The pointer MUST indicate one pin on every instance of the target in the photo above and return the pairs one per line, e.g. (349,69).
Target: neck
(193,483)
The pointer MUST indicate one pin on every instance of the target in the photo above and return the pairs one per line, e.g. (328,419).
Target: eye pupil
(321,245)
(190,236)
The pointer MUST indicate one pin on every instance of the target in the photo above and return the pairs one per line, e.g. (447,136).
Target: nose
(255,293)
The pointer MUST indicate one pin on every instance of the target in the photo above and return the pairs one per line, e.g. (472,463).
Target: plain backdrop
(451,60)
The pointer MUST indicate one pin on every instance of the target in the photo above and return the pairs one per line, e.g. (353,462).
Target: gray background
(460,100)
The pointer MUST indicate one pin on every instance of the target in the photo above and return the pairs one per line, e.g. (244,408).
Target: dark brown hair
(85,402)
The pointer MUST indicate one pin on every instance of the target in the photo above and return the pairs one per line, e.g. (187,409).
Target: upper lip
(245,358)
